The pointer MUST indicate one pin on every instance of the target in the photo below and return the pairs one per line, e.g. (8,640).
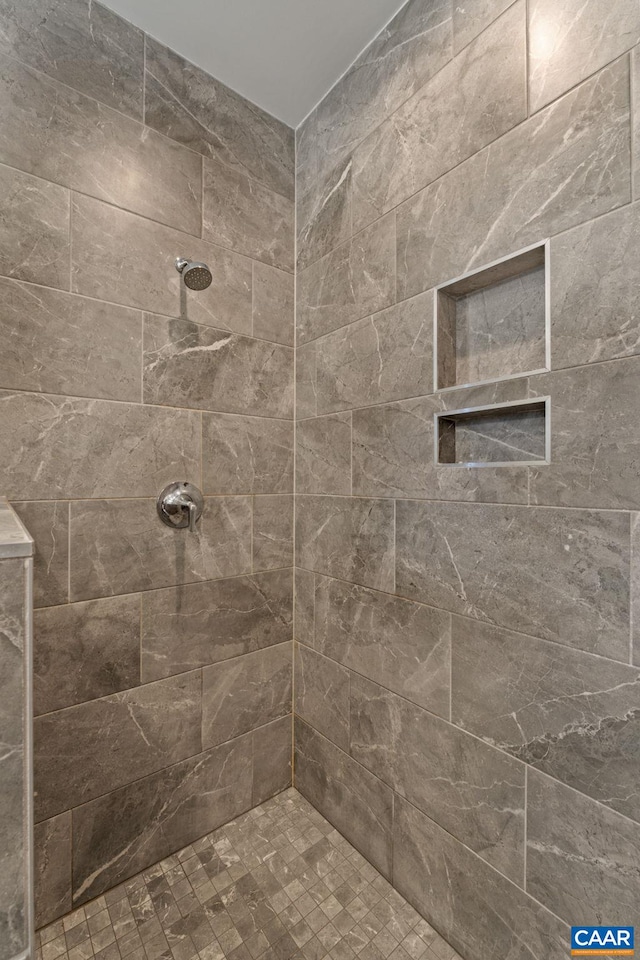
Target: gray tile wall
(162,660)
(468,709)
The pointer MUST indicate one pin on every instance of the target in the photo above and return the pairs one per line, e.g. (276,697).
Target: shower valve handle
(180,506)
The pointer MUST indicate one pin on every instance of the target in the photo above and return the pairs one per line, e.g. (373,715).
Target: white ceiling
(283,55)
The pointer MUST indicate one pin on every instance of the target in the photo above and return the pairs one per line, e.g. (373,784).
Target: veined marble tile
(59,343)
(48,523)
(403,645)
(80,43)
(34,229)
(474,792)
(273,304)
(582,859)
(272,750)
(244,693)
(247,454)
(244,215)
(272,532)
(324,214)
(52,868)
(306,380)
(473,100)
(354,280)
(569,42)
(121,546)
(199,623)
(471,17)
(322,695)
(480,912)
(323,455)
(189,105)
(384,357)
(358,804)
(121,257)
(635,588)
(575,152)
(304,602)
(347,538)
(72,448)
(189,365)
(307,153)
(556,574)
(90,749)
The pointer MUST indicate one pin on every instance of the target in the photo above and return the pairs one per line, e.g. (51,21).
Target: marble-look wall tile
(385,357)
(93,448)
(635,588)
(120,546)
(323,455)
(346,538)
(471,17)
(52,869)
(304,601)
(246,454)
(358,804)
(59,343)
(569,42)
(189,365)
(61,135)
(121,257)
(556,574)
(595,301)
(199,623)
(473,100)
(582,859)
(189,105)
(322,695)
(355,279)
(272,750)
(306,380)
(324,214)
(34,229)
(116,836)
(48,524)
(83,651)
(90,749)
(272,532)
(560,153)
(244,215)
(479,912)
(247,692)
(80,43)
(398,643)
(273,304)
(474,792)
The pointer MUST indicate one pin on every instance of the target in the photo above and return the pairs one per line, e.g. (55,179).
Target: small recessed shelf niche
(494,436)
(493,323)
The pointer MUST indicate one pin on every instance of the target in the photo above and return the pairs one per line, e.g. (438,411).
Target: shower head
(196,276)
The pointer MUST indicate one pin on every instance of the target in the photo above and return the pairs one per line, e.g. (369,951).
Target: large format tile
(385,357)
(354,280)
(246,454)
(80,43)
(189,105)
(59,343)
(273,304)
(189,365)
(474,792)
(72,448)
(347,538)
(304,604)
(306,380)
(635,588)
(570,714)
(34,229)
(128,259)
(322,695)
(83,651)
(569,42)
(272,539)
(323,214)
(120,546)
(575,152)
(192,625)
(473,100)
(358,804)
(272,751)
(582,859)
(61,135)
(90,749)
(403,645)
(323,455)
(480,912)
(48,524)
(247,692)
(52,868)
(471,17)
(556,574)
(117,835)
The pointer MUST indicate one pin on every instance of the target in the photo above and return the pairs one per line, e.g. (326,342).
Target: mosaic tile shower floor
(278,883)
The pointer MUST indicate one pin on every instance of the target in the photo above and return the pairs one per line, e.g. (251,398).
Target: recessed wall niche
(496,435)
(493,323)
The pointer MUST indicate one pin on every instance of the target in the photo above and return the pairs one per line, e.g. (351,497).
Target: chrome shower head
(196,276)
